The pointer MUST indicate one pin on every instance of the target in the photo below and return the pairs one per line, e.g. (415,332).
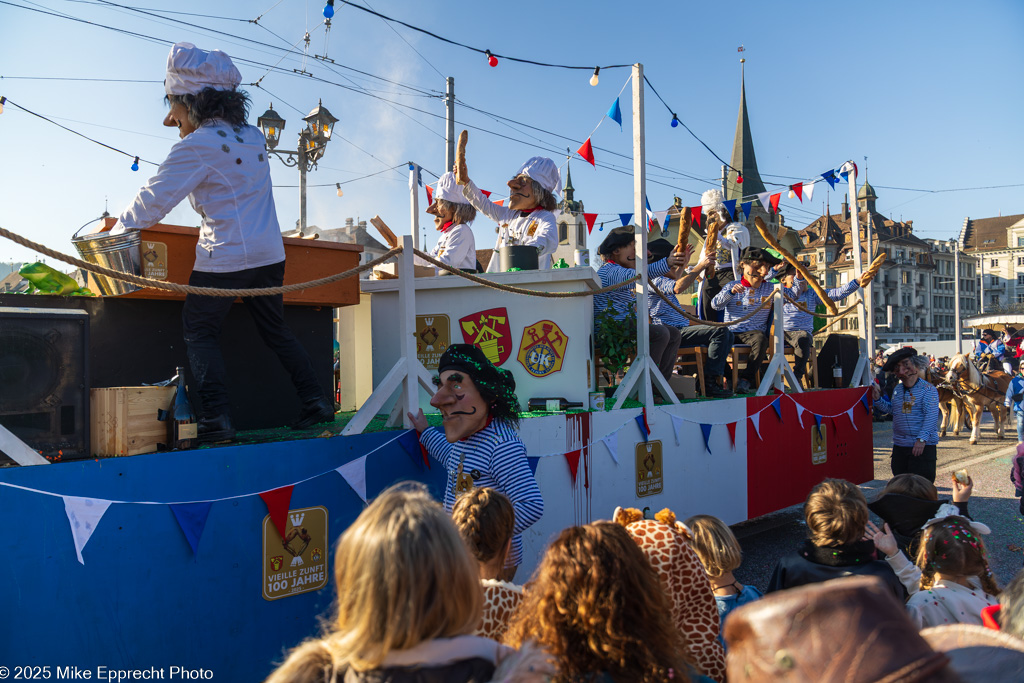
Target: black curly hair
(231,106)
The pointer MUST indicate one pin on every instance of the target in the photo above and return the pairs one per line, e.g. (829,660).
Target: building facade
(998,243)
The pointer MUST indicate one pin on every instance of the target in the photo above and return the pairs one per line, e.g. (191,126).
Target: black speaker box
(44,379)
(843,348)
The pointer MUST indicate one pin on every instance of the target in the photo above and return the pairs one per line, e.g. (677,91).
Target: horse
(979,391)
(951,405)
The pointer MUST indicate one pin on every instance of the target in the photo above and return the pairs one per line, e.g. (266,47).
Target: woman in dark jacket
(837,515)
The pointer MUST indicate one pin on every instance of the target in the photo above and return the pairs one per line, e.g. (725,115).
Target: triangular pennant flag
(532,462)
(730,206)
(643,427)
(830,178)
(485,193)
(809,190)
(354,474)
(660,216)
(647,426)
(611,442)
(864,402)
(590,218)
(650,214)
(731,426)
(677,422)
(277,502)
(846,168)
(587,152)
(192,520)
(799,414)
(410,442)
(817,423)
(777,407)
(695,214)
(745,208)
(84,514)
(625,218)
(614,113)
(798,190)
(706,431)
(430,195)
(763,198)
(853,422)
(756,420)
(832,419)
(573,458)
(775,201)
(500,202)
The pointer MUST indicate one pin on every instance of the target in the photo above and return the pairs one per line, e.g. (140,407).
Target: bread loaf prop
(461,170)
(792,260)
(711,240)
(384,231)
(872,270)
(685,223)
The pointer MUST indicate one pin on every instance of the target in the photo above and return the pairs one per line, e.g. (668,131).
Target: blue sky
(928,91)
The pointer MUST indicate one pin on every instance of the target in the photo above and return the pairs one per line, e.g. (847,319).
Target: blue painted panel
(142,599)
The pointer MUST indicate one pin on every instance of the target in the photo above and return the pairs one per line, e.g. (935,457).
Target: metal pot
(519,256)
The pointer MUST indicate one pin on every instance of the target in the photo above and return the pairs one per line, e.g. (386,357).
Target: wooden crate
(123,420)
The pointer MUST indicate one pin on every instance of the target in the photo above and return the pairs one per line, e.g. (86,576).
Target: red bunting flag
(590,218)
(587,152)
(430,195)
(731,426)
(573,459)
(277,502)
(774,201)
(485,193)
(695,214)
(500,202)
(798,190)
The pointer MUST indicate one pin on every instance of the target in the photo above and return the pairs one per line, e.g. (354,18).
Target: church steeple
(568,189)
(743,158)
(866,197)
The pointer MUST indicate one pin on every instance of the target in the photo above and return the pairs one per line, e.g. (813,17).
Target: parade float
(217,559)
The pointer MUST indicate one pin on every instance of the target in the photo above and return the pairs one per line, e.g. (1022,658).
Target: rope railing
(711,323)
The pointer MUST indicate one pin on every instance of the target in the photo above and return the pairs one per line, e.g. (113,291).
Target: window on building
(1020,241)
(994,262)
(1020,298)
(563,233)
(905,276)
(1020,260)
(1020,278)
(995,299)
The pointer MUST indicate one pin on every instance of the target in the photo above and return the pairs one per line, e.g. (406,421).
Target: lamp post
(312,143)
(955,246)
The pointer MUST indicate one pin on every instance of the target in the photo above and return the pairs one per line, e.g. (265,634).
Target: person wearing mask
(915,415)
(452,214)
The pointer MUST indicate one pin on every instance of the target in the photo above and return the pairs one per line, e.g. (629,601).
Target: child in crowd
(485,520)
(909,500)
(720,553)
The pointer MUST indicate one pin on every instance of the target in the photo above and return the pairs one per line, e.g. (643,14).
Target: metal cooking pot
(519,256)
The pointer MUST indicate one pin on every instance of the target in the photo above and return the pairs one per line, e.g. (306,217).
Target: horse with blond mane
(979,390)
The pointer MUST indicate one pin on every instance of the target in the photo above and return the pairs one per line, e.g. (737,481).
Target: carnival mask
(463,410)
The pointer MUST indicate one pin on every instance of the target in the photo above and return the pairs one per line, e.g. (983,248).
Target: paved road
(992,502)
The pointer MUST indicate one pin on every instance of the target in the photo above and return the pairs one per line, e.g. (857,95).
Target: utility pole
(449,124)
(958,325)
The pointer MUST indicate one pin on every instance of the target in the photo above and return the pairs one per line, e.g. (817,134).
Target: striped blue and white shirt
(739,305)
(920,418)
(1016,387)
(624,298)
(661,312)
(794,319)
(496,459)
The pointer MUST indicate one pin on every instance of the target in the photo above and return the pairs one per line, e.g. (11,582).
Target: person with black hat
(717,339)
(742,296)
(478,444)
(619,252)
(915,415)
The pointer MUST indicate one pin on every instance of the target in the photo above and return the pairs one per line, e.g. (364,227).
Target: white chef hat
(190,70)
(448,190)
(544,171)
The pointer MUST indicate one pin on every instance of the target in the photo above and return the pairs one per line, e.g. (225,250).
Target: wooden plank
(124,419)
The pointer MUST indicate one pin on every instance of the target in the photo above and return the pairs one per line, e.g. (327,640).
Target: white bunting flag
(354,474)
(756,419)
(84,514)
(808,191)
(677,423)
(611,442)
(852,421)
(799,413)
(763,198)
(660,217)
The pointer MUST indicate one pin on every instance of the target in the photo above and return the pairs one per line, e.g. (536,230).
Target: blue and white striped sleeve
(658,269)
(723,298)
(884,403)
(437,445)
(930,427)
(840,293)
(512,472)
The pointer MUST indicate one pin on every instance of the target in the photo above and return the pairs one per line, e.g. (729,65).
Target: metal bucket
(519,256)
(118,252)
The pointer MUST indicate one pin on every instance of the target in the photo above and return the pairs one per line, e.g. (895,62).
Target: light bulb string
(81,135)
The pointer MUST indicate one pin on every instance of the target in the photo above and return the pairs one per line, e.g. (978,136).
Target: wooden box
(123,420)
(389,271)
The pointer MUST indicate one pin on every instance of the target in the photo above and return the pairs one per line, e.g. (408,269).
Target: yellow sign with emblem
(296,563)
(154,260)
(819,444)
(543,348)
(433,336)
(650,475)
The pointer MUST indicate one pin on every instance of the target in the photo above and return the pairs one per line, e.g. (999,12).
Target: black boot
(715,390)
(216,429)
(320,410)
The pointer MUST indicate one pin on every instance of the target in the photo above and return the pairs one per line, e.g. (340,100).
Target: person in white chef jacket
(452,213)
(528,218)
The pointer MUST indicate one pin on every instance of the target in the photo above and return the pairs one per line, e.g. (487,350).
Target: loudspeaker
(842,347)
(44,379)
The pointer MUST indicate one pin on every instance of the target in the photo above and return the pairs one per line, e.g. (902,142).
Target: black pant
(904,461)
(800,340)
(758,342)
(717,339)
(203,317)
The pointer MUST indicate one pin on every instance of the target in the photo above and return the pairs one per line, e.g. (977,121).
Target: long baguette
(804,273)
(685,223)
(461,170)
(384,231)
(872,270)
(711,241)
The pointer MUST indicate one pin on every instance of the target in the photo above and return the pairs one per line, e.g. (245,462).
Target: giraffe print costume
(500,602)
(664,542)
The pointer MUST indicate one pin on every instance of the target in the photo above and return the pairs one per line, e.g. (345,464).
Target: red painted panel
(779,468)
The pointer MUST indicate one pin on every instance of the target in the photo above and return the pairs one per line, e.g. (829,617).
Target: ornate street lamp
(312,144)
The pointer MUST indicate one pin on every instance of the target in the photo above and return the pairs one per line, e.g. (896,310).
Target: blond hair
(485,520)
(836,513)
(715,544)
(388,569)
(913,485)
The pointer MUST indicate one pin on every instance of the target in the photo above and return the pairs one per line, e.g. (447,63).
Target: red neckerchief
(527,212)
(486,425)
(745,282)
(444,228)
